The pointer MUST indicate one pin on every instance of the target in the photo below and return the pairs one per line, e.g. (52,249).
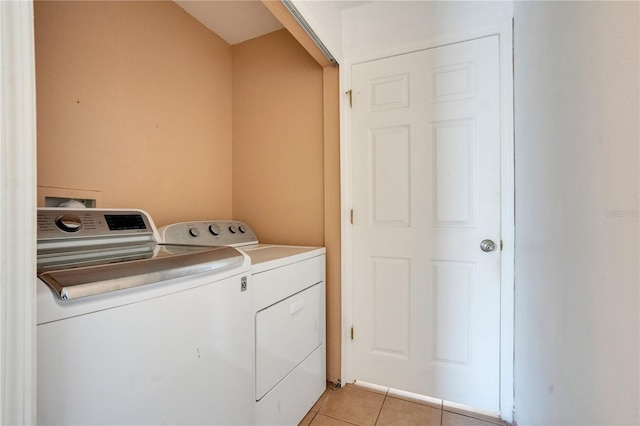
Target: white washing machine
(289,316)
(133,332)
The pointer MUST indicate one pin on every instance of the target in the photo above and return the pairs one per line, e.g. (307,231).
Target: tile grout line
(324,401)
(381,406)
(339,419)
(327,415)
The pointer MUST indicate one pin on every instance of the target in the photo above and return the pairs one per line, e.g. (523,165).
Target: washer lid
(70,276)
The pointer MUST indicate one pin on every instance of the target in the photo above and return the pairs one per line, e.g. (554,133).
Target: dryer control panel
(208,233)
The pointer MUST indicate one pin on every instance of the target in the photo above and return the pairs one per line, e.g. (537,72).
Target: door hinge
(350,93)
(351,216)
(501,245)
(351,332)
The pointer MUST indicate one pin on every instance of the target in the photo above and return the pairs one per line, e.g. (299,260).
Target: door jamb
(507,188)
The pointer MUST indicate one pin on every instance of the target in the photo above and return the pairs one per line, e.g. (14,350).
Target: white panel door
(426,192)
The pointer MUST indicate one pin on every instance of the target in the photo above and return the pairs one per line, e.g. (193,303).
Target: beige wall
(134,100)
(140,104)
(332,219)
(286,156)
(278,176)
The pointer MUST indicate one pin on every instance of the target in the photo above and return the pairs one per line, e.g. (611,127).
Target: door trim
(17,214)
(507,187)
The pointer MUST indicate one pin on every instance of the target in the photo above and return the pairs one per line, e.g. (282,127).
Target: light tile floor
(353,405)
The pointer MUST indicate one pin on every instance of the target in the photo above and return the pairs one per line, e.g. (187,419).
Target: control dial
(214,229)
(69,223)
(194,232)
(233,229)
(242,229)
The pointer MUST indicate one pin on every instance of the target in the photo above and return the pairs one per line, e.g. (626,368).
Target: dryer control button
(232,229)
(214,230)
(193,232)
(242,229)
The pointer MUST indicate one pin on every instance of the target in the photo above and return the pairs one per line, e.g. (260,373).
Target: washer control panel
(63,223)
(208,233)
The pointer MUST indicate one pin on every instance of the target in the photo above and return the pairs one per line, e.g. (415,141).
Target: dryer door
(286,333)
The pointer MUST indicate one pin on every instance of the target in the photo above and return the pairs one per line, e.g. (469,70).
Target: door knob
(487,245)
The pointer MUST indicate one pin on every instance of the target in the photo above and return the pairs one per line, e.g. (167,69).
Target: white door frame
(505,33)
(17,214)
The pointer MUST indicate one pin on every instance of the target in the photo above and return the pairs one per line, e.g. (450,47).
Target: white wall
(325,17)
(577,208)
(357,31)
(383,28)
(576,120)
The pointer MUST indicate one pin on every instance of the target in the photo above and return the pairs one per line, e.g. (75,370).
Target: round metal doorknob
(487,245)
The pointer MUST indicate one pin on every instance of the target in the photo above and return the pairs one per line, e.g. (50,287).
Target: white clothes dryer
(289,316)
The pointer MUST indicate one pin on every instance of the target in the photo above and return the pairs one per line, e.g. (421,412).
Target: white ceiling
(234,21)
(240,20)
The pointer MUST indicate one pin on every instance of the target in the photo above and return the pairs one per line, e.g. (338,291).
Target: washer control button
(233,229)
(69,223)
(194,232)
(242,229)
(214,230)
